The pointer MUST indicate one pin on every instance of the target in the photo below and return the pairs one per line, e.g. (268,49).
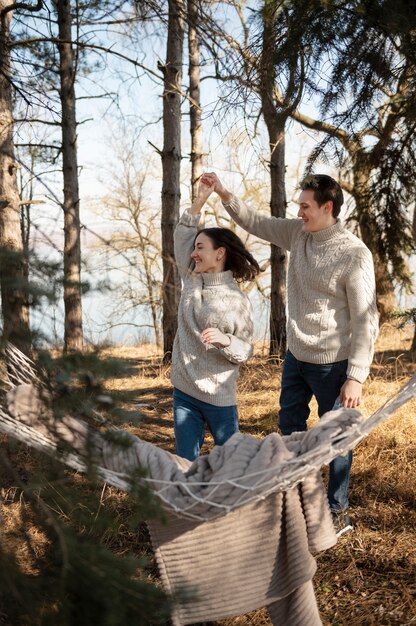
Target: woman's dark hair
(325,188)
(237,259)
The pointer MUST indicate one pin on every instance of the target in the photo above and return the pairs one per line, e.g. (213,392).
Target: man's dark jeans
(301,381)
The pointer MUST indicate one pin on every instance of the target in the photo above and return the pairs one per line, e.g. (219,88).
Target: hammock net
(243,471)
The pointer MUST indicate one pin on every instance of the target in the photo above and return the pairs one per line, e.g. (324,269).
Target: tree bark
(413,346)
(275,123)
(171,162)
(13,279)
(195,98)
(73,338)
(386,299)
(278,256)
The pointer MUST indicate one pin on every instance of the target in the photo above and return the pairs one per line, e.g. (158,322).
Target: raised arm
(276,230)
(187,228)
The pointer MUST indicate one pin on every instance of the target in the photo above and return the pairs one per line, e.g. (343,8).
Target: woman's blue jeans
(301,381)
(190,416)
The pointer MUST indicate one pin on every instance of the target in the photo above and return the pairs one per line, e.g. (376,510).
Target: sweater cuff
(357,373)
(232,204)
(186,219)
(238,351)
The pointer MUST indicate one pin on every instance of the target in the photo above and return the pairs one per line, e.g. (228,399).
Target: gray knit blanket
(258,555)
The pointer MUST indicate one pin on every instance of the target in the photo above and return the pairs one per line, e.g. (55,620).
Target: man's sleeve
(361,294)
(277,230)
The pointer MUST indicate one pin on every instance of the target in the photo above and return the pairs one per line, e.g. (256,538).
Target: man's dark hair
(325,188)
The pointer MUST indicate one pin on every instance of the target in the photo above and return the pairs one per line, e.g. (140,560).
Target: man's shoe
(342,522)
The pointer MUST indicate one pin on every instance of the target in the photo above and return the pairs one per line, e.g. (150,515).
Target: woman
(215,329)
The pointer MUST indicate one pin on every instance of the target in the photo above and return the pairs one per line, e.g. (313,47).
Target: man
(332,316)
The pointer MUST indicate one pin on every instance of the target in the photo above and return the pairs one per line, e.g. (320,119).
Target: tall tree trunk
(278,256)
(275,123)
(413,347)
(25,225)
(386,299)
(171,162)
(195,98)
(13,279)
(72,244)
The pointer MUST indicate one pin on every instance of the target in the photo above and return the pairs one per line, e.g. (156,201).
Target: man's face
(314,217)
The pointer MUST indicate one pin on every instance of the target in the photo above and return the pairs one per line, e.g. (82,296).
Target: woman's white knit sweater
(209,300)
(331,297)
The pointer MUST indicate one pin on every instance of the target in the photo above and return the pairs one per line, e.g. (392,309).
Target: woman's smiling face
(206,258)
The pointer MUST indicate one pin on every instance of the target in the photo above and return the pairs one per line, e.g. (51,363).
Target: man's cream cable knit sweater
(208,300)
(332,312)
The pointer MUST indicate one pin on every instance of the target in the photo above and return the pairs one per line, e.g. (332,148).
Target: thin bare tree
(73,337)
(275,121)
(195,96)
(171,163)
(134,246)
(255,81)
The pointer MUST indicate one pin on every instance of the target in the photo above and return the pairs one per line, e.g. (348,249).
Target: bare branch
(21,5)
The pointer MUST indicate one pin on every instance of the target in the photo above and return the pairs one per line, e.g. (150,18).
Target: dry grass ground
(369,577)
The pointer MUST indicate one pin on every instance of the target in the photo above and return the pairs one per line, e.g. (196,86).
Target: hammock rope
(175,481)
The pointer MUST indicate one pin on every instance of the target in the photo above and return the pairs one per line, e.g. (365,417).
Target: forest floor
(369,577)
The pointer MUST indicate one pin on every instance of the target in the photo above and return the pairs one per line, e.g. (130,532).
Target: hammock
(231,476)
(242,520)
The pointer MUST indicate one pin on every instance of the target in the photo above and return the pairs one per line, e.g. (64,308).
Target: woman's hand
(205,189)
(211,179)
(213,335)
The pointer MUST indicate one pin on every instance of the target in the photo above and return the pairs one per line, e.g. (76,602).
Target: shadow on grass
(261,425)
(145,367)
(370,489)
(143,404)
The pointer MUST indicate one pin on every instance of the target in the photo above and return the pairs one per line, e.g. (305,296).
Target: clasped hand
(213,335)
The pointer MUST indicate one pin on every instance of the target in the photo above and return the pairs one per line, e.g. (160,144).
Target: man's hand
(213,335)
(211,179)
(351,394)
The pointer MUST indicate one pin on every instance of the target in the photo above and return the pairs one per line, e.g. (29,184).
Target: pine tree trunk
(386,299)
(195,98)
(413,346)
(275,123)
(278,256)
(13,278)
(171,162)
(72,245)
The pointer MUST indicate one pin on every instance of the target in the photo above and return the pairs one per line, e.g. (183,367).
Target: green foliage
(66,563)
(361,72)
(98,587)
(404,316)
